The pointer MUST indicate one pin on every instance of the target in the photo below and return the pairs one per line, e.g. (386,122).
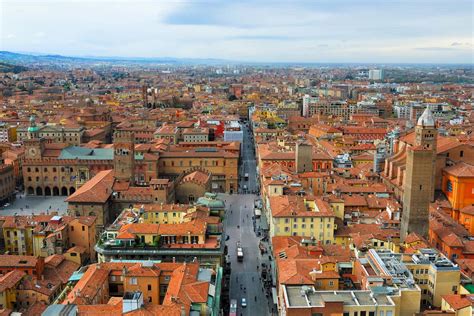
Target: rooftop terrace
(305,296)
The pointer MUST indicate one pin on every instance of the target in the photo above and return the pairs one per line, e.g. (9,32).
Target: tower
(34,145)
(33,130)
(379,157)
(124,155)
(304,157)
(419,177)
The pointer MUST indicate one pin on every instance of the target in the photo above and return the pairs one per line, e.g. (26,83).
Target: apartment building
(292,215)
(168,234)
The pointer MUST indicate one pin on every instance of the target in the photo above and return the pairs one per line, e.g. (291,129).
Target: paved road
(240,227)
(248,164)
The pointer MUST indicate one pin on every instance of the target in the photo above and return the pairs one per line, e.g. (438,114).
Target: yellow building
(291,215)
(18,233)
(434,274)
(460,304)
(164,213)
(8,284)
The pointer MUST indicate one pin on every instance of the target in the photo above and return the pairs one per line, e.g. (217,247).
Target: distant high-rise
(418,190)
(376,74)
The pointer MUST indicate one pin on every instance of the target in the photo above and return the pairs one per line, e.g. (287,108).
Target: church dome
(426,119)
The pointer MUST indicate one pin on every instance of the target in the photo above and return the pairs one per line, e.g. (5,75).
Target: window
(133,281)
(149,287)
(449,186)
(83,228)
(331,283)
(371,313)
(461,153)
(72,228)
(345,314)
(363,313)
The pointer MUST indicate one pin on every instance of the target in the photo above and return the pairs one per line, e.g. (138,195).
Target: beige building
(71,135)
(436,275)
(7,182)
(195,135)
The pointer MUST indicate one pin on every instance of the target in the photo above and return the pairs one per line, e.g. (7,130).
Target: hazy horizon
(366,31)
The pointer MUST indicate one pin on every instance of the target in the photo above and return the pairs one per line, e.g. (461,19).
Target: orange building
(143,278)
(82,232)
(458,185)
(466,218)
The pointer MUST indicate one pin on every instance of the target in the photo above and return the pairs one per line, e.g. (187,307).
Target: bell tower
(418,188)
(124,156)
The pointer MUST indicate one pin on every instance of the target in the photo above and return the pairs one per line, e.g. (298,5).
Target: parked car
(244,302)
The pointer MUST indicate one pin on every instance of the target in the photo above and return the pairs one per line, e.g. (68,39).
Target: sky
(366,31)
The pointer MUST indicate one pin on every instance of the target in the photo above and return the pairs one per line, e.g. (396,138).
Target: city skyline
(248,31)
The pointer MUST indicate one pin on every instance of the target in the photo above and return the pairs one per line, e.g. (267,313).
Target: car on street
(244,302)
(233,307)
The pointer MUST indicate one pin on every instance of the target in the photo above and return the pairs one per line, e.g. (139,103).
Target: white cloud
(323,30)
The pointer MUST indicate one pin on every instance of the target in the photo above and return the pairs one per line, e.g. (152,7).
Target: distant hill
(38,58)
(7,67)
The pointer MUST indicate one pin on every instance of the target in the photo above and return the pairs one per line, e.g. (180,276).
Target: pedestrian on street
(255,298)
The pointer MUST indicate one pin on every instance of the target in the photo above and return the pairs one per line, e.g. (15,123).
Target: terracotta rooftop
(461,170)
(459,301)
(96,190)
(11,279)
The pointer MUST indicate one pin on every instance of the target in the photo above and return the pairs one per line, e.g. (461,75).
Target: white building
(376,74)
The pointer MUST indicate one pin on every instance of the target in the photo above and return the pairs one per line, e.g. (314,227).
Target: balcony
(212,246)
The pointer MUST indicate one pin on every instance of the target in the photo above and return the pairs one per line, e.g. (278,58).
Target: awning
(275,295)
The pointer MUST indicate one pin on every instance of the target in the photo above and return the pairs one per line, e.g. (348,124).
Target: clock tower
(34,145)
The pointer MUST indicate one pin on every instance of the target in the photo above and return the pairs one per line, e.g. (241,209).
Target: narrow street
(246,279)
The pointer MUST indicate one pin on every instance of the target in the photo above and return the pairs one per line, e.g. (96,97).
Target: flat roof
(306,296)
